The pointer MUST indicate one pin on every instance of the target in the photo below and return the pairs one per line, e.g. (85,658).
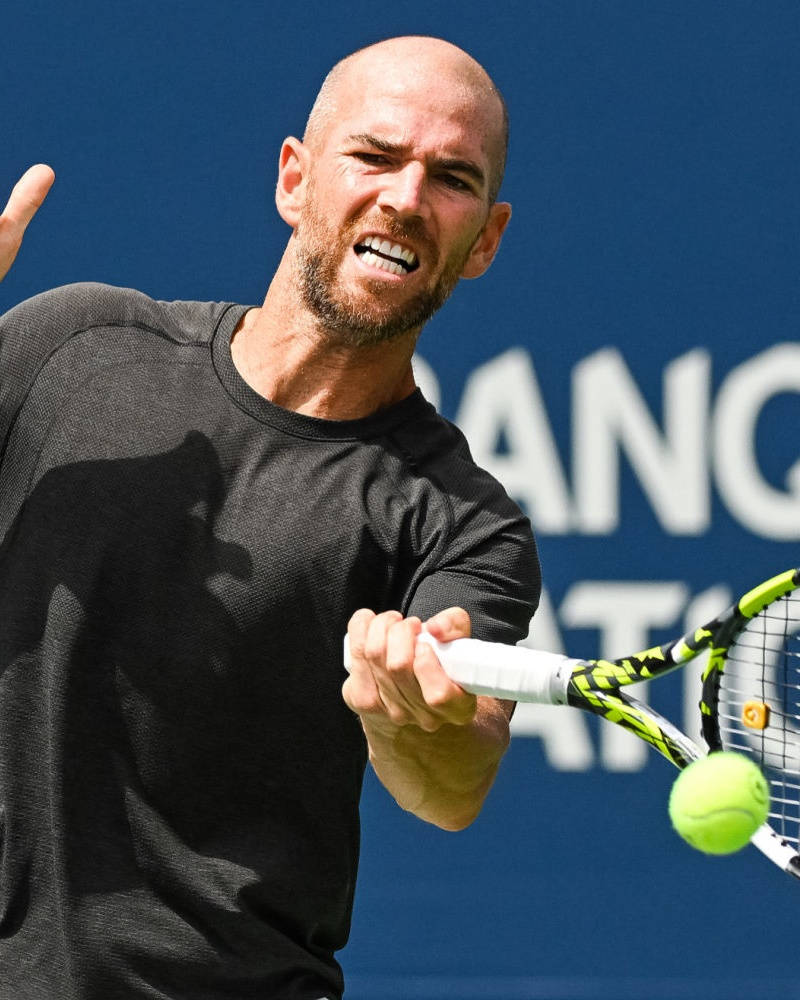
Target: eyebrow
(467,167)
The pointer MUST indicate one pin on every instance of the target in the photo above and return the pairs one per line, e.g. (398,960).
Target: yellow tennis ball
(718,802)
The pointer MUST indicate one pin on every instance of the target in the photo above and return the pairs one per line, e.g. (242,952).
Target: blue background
(653,172)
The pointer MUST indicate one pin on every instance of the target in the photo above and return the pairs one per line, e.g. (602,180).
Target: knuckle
(357,631)
(460,619)
(438,697)
(430,723)
(397,664)
(361,617)
(397,715)
(10,243)
(458,708)
(358,697)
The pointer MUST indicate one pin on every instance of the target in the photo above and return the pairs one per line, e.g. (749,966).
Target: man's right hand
(28,194)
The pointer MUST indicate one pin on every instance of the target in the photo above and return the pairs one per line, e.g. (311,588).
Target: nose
(403,191)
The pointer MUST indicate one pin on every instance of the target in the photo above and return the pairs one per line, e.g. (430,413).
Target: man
(195,501)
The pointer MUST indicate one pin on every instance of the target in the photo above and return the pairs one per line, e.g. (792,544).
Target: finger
(27,196)
(444,698)
(452,623)
(357,632)
(375,639)
(397,676)
(359,690)
(360,693)
(401,644)
(391,646)
(414,687)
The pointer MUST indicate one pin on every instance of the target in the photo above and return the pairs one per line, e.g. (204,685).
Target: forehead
(430,113)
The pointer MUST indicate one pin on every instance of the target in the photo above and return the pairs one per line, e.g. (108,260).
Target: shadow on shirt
(119,661)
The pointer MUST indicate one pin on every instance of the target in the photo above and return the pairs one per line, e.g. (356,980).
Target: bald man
(197,499)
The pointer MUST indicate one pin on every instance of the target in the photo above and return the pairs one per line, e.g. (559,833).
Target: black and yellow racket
(750,701)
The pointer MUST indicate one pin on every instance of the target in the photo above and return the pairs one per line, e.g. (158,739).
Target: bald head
(452,75)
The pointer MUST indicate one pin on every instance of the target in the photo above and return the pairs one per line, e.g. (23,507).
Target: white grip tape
(500,670)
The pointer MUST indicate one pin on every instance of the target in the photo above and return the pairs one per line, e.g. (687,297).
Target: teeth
(380,262)
(392,250)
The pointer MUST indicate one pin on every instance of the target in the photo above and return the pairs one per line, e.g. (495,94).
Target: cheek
(462,238)
(348,189)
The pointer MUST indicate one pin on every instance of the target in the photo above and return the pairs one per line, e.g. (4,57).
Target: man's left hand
(27,196)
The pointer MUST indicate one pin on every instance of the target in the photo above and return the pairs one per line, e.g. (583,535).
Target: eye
(455,183)
(373,159)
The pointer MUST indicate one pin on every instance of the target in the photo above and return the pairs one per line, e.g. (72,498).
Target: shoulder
(436,450)
(62,312)
(487,546)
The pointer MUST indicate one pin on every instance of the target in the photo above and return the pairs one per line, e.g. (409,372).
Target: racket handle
(500,670)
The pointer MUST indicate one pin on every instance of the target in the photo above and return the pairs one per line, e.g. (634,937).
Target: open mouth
(386,255)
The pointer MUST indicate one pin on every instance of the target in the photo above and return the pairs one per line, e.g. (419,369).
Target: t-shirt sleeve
(29,334)
(490,568)
(32,332)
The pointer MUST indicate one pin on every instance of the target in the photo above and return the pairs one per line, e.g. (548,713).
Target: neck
(283,352)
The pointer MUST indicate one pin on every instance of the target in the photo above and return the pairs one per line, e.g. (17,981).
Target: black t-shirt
(179,775)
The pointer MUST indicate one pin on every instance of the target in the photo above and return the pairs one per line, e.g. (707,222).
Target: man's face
(396,199)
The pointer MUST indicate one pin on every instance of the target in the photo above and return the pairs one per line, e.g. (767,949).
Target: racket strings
(750,649)
(761,683)
(766,648)
(769,685)
(763,668)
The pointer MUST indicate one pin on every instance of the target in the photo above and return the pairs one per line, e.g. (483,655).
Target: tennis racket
(750,699)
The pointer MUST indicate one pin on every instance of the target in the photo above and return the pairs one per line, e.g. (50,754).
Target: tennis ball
(718,802)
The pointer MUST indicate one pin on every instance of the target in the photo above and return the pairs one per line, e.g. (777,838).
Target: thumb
(28,194)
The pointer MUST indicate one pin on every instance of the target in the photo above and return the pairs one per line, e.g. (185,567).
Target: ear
(293,172)
(486,245)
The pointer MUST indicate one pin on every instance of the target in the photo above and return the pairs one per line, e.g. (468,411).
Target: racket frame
(517,673)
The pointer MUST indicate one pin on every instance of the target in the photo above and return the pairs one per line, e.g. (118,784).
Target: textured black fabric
(179,776)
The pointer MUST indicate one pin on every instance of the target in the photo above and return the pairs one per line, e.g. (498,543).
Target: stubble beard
(320,252)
